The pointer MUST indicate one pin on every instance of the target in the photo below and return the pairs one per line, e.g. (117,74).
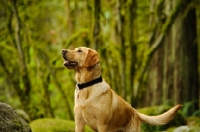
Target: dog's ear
(92,58)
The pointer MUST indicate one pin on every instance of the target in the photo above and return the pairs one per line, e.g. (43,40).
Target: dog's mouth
(69,64)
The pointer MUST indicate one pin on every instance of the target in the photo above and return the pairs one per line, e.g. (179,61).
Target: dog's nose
(64,51)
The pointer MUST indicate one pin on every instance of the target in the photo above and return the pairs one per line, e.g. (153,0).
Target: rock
(23,115)
(182,129)
(10,121)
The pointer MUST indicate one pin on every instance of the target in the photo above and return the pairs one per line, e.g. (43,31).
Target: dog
(96,104)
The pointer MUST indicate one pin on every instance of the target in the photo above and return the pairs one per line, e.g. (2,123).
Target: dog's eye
(79,50)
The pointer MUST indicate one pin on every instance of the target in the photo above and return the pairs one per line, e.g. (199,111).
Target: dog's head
(81,57)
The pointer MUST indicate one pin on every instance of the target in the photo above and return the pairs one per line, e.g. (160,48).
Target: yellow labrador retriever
(96,104)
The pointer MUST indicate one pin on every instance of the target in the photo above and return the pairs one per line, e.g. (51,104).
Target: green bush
(54,125)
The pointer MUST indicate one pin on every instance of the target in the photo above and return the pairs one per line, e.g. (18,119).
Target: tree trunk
(69,19)
(185,73)
(47,100)
(22,91)
(122,41)
(96,25)
(173,73)
(132,17)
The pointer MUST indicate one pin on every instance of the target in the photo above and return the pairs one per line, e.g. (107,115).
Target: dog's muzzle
(67,63)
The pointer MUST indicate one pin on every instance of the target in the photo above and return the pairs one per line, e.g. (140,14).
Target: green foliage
(54,125)
(187,108)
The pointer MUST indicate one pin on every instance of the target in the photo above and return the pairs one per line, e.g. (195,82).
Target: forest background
(150,52)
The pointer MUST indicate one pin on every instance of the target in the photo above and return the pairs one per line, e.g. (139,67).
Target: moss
(17,124)
(171,129)
(195,129)
(193,121)
(54,125)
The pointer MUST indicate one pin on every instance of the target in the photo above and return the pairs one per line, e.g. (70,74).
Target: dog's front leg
(102,128)
(79,126)
(80,123)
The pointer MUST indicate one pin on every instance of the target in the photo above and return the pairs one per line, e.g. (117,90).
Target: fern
(187,108)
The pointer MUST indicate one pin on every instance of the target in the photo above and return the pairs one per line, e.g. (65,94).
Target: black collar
(84,85)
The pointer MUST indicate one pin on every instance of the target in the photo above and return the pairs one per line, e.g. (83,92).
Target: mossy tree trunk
(126,40)
(96,24)
(133,49)
(23,91)
(122,41)
(173,74)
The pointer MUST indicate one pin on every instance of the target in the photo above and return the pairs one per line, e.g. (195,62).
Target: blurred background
(150,52)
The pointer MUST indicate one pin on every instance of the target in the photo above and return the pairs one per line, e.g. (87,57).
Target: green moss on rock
(54,125)
(10,120)
(194,124)
(193,121)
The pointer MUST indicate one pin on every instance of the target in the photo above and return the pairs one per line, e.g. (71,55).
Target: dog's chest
(88,109)
(88,95)
(80,96)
